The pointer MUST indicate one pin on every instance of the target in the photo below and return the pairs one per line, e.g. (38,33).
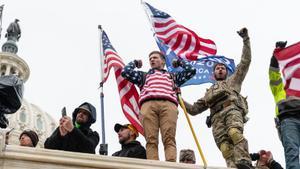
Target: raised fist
(243,33)
(138,63)
(176,63)
(280,44)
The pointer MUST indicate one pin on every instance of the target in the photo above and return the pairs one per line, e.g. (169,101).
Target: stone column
(2,139)
(16,72)
(8,67)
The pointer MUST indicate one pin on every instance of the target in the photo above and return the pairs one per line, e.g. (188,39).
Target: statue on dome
(13,31)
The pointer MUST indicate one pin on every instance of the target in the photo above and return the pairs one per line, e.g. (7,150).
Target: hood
(88,107)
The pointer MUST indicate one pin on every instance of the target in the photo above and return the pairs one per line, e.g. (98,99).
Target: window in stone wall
(39,122)
(23,116)
(20,75)
(13,71)
(3,69)
(53,127)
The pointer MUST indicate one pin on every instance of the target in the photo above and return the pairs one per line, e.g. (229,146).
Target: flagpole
(1,7)
(181,102)
(103,146)
(148,17)
(192,129)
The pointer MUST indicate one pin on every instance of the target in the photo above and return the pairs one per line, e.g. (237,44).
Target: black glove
(243,33)
(274,62)
(138,63)
(281,44)
(176,63)
(254,156)
(208,121)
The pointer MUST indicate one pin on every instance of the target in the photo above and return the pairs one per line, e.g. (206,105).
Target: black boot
(244,164)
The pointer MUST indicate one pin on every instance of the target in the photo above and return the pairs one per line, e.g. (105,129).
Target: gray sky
(60,44)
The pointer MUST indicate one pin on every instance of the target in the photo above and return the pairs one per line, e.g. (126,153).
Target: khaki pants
(160,114)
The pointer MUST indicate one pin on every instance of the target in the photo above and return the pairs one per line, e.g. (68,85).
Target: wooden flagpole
(181,102)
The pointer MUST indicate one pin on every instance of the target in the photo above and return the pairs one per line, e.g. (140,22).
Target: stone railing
(17,157)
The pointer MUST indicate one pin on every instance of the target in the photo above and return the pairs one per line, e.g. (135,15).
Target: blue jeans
(290,134)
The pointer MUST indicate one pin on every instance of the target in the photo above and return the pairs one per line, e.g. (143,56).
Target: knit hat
(187,155)
(32,135)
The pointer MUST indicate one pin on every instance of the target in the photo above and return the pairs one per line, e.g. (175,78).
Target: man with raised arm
(287,112)
(228,109)
(158,101)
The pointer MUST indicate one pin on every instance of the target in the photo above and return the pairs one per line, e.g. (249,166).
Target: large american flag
(128,94)
(184,42)
(289,61)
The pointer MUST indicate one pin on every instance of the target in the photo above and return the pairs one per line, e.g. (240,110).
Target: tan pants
(160,114)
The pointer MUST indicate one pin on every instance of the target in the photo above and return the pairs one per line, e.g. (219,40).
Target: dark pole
(103,146)
(1,12)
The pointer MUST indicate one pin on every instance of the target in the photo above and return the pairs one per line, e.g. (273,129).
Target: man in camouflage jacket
(228,109)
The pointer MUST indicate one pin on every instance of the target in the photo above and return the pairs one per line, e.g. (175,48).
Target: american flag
(289,61)
(184,42)
(128,94)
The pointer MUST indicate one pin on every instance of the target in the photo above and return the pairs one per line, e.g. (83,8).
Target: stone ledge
(17,157)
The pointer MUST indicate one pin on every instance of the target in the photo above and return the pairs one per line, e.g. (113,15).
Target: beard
(220,77)
(124,139)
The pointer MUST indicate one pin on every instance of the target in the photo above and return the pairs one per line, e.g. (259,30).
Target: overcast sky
(60,44)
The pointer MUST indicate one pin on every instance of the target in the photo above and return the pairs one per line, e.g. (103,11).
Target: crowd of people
(158,102)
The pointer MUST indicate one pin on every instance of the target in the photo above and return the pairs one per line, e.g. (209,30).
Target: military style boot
(244,164)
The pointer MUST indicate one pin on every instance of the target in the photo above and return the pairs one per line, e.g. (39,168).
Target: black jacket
(289,108)
(133,149)
(272,165)
(275,165)
(81,139)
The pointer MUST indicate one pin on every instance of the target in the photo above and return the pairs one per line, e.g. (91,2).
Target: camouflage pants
(261,167)
(227,127)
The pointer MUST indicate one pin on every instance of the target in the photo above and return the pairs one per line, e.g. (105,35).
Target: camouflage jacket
(227,91)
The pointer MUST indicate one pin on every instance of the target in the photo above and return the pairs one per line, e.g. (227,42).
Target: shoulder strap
(143,80)
(175,87)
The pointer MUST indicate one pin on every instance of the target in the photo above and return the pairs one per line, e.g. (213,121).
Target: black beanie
(32,135)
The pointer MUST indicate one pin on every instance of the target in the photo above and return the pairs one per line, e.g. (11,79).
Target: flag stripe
(284,62)
(294,84)
(128,94)
(290,68)
(288,52)
(184,42)
(289,62)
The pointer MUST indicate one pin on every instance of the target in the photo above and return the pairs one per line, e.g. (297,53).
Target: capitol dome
(29,116)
